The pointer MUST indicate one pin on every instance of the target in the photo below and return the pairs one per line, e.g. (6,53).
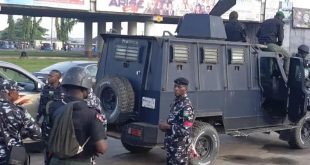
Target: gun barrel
(222,6)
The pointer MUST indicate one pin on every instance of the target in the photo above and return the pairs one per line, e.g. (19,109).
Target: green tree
(11,28)
(26,29)
(64,27)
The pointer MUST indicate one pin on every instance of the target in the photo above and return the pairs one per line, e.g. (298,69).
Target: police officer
(178,126)
(14,119)
(235,31)
(94,103)
(271,33)
(303,52)
(87,121)
(51,91)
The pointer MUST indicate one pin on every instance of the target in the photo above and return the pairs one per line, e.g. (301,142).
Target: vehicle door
(30,94)
(272,81)
(297,106)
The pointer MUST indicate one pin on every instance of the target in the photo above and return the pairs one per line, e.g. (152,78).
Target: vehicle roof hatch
(204,25)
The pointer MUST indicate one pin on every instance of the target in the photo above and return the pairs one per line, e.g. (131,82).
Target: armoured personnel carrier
(236,88)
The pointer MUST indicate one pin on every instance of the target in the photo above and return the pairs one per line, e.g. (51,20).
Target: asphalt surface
(257,149)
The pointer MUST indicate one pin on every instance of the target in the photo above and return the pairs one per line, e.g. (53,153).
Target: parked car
(90,67)
(29,96)
(32,86)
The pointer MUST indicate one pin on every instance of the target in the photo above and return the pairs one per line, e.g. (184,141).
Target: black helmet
(78,77)
(303,49)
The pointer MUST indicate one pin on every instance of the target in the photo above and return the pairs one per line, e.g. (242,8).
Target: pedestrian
(14,119)
(178,126)
(87,122)
(235,31)
(271,33)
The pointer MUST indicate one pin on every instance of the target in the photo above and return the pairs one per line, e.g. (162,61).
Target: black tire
(300,137)
(136,149)
(206,142)
(116,95)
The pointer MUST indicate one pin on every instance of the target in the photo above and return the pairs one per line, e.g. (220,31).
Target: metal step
(247,132)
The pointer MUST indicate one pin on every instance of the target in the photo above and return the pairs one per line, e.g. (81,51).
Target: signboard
(272,6)
(301,18)
(248,10)
(156,7)
(67,4)
(178,7)
(301,4)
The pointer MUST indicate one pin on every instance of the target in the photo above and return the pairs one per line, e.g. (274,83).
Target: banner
(156,7)
(301,18)
(67,4)
(247,9)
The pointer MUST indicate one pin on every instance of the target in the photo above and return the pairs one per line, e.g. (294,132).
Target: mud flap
(297,94)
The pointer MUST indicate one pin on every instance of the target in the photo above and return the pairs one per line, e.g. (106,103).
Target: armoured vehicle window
(209,55)
(127,51)
(269,68)
(236,56)
(179,53)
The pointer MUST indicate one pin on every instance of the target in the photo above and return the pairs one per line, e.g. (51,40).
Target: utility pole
(52,32)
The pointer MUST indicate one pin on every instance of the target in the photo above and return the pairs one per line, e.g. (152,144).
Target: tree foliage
(11,28)
(64,27)
(26,29)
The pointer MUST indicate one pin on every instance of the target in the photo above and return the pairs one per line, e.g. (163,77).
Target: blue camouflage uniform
(16,122)
(94,102)
(177,139)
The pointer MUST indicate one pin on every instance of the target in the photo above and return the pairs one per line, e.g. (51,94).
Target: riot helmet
(77,76)
(303,50)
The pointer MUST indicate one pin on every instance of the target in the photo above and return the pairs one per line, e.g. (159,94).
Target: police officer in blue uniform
(14,119)
(178,126)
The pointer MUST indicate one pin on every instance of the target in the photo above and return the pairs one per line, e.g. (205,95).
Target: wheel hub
(108,99)
(204,147)
(305,132)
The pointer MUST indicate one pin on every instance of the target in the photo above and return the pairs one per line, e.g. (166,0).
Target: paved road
(257,149)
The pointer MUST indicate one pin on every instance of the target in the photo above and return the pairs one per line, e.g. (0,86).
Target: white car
(32,86)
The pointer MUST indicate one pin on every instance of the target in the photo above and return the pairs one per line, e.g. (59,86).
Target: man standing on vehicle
(178,125)
(271,33)
(87,122)
(235,31)
(14,119)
